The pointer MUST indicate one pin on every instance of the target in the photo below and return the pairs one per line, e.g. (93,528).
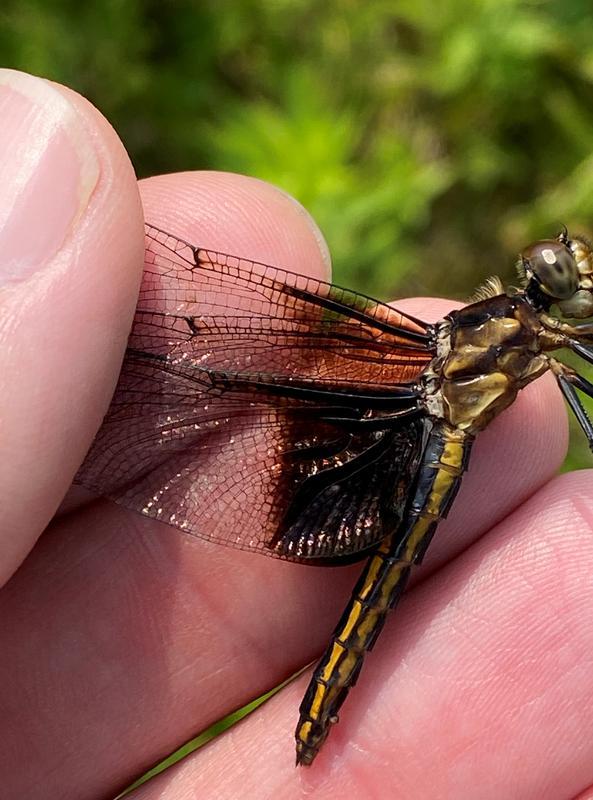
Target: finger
(89,613)
(586,795)
(249,611)
(482,687)
(71,242)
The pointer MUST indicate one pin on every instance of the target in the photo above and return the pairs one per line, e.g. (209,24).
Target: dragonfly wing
(231,418)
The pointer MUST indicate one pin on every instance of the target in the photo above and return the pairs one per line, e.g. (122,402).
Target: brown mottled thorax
(489,351)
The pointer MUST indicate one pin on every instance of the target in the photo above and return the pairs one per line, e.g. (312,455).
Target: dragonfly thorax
(493,352)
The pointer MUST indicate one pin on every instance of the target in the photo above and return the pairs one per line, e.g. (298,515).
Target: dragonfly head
(560,271)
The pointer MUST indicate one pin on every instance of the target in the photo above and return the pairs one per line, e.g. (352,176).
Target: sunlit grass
(208,735)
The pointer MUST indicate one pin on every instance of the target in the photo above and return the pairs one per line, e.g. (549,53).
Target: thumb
(71,242)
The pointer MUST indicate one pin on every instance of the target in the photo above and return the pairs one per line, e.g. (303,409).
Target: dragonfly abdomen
(380,587)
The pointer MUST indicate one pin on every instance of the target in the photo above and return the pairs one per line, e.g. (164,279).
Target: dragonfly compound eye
(552,265)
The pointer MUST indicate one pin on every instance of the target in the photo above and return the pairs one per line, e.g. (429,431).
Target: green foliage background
(431,140)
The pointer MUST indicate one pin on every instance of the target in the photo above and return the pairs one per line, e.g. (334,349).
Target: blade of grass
(220,726)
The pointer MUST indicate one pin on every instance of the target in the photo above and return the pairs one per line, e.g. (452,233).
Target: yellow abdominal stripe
(382,577)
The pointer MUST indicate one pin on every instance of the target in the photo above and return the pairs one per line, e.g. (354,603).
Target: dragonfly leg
(569,381)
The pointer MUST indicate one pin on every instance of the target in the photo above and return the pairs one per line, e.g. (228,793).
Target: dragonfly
(271,412)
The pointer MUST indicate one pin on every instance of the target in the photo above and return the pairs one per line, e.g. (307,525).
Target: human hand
(121,638)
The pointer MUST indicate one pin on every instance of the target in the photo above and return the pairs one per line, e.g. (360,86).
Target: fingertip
(239,215)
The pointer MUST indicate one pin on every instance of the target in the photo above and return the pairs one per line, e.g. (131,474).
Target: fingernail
(48,170)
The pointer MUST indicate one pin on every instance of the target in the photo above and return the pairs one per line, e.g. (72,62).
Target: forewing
(234,315)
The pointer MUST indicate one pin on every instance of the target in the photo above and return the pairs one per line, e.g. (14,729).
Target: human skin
(121,638)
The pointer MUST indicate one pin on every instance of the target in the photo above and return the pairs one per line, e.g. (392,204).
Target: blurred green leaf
(429,140)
